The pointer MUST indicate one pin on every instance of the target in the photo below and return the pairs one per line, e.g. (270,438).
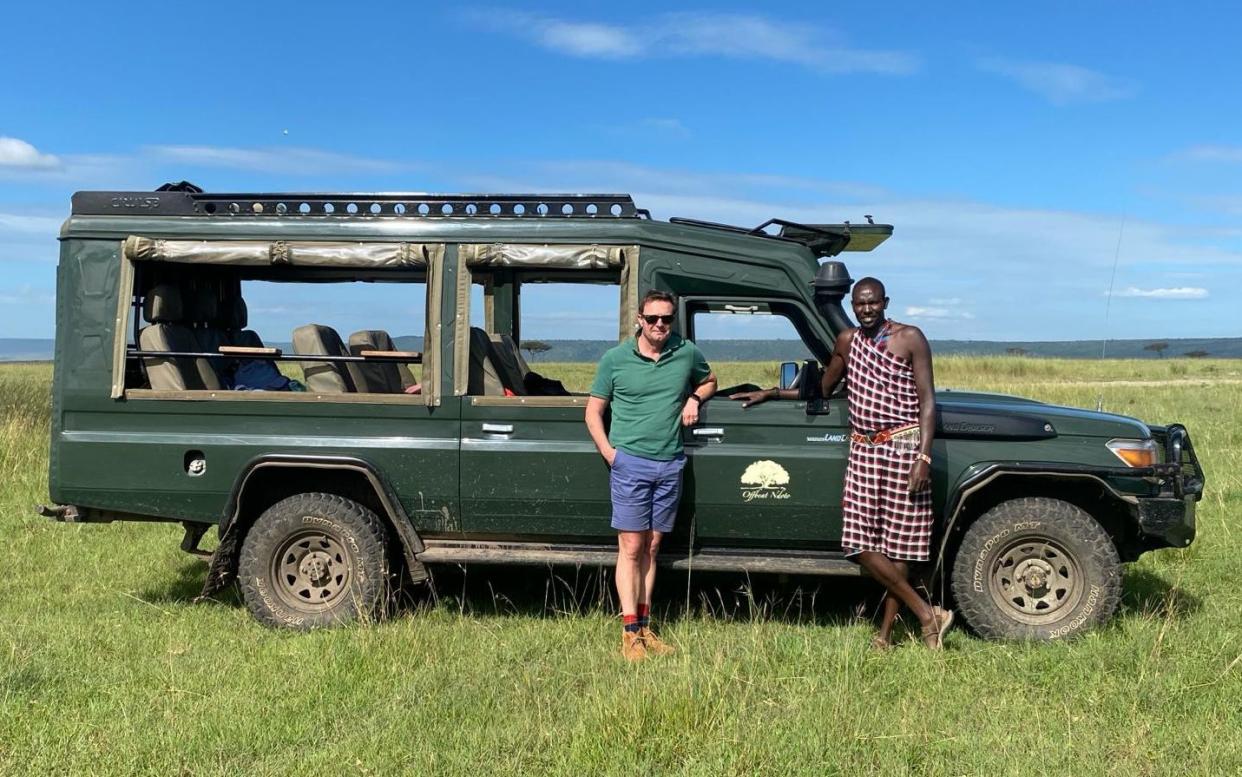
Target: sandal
(880,644)
(942,620)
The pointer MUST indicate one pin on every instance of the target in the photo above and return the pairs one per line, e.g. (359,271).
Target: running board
(541,554)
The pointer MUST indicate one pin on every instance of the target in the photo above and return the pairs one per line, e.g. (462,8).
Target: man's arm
(925,386)
(831,377)
(835,371)
(595,426)
(702,392)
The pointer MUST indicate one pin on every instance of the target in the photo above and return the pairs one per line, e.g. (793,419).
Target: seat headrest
(163,304)
(373,339)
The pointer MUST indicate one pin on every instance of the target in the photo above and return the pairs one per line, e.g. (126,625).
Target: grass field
(106,666)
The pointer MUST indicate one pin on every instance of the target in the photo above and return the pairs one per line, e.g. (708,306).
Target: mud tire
(312,561)
(1036,569)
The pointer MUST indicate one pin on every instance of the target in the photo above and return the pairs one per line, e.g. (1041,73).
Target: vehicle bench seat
(163,307)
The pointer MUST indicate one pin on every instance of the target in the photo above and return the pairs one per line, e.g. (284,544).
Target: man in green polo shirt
(655,382)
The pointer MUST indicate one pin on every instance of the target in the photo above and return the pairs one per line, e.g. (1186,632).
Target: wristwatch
(696,398)
(923,457)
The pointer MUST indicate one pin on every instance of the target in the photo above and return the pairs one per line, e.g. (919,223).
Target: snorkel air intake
(831,283)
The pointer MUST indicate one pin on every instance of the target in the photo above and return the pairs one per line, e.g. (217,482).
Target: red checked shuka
(880,514)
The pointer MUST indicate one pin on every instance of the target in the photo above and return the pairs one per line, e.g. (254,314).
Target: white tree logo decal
(766,480)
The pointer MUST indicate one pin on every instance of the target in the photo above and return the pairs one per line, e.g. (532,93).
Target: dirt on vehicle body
(389,454)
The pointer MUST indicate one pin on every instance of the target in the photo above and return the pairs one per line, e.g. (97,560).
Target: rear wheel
(314,560)
(1036,568)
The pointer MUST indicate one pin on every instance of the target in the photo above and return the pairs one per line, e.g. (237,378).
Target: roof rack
(410,205)
(822,239)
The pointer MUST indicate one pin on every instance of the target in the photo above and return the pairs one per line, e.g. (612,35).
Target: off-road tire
(1052,545)
(314,560)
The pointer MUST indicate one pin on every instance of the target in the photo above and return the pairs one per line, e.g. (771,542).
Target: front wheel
(314,560)
(1036,569)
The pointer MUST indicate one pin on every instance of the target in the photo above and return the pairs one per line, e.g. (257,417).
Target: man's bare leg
(884,636)
(884,570)
(648,569)
(631,554)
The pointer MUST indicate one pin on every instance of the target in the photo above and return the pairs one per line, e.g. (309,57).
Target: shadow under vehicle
(324,498)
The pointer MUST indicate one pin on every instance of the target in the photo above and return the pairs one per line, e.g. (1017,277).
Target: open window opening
(539,332)
(251,330)
(746,341)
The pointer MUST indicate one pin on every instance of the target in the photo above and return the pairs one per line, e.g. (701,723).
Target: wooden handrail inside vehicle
(393,355)
(246,350)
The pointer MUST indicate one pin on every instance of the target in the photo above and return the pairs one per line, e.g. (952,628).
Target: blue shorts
(645,492)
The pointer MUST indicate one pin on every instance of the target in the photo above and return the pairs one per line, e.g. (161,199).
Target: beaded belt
(884,435)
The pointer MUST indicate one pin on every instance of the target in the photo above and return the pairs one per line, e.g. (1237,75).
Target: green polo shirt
(647,395)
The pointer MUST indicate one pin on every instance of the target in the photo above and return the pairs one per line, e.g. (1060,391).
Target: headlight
(1135,453)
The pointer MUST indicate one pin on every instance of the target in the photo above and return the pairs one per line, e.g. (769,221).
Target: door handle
(498,428)
(708,431)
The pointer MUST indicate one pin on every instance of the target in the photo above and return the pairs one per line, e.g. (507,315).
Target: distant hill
(36,349)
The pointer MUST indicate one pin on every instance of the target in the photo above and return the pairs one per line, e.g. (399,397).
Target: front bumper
(1168,519)
(1166,522)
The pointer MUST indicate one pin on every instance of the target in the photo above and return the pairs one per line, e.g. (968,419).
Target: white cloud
(939,313)
(1209,153)
(1181,292)
(15,153)
(30,225)
(295,161)
(26,294)
(1062,84)
(732,36)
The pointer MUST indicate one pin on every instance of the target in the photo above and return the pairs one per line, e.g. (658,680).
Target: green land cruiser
(399,454)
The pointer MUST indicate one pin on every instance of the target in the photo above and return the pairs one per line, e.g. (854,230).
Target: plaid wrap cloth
(879,512)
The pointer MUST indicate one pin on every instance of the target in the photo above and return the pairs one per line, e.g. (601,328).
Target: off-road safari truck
(386,454)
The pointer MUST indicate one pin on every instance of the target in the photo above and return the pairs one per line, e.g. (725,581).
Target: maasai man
(887,504)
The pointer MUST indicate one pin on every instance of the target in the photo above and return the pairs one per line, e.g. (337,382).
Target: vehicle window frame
(469,274)
(795,311)
(431,396)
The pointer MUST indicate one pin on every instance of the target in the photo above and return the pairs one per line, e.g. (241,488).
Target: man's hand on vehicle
(748,398)
(690,412)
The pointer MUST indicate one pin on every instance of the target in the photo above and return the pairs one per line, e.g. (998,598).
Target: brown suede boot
(632,647)
(654,644)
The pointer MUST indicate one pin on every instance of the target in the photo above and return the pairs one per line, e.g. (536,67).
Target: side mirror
(789,375)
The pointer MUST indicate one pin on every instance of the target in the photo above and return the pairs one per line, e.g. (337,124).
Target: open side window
(335,322)
(537,313)
(745,340)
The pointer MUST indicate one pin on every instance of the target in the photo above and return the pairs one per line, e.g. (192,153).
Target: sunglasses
(651,320)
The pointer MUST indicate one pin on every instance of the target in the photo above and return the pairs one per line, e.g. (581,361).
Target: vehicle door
(529,470)
(773,471)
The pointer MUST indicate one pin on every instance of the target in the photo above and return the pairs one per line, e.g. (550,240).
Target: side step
(542,554)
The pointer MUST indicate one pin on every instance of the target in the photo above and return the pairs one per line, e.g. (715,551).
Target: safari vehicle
(324,498)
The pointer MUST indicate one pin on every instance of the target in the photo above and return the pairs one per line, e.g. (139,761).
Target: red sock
(629,622)
(644,615)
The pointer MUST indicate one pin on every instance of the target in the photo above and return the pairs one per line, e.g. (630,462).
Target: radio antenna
(1108,302)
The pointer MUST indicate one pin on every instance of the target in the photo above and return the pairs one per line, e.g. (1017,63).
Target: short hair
(869,281)
(657,295)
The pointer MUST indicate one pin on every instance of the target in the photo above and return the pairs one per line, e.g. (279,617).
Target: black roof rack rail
(822,239)
(415,205)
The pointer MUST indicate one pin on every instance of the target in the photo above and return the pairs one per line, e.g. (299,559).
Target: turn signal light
(1135,453)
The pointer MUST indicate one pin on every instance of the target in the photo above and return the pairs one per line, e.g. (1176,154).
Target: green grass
(106,666)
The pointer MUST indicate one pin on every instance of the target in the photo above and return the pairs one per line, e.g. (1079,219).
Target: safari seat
(484,379)
(510,366)
(382,377)
(163,308)
(326,377)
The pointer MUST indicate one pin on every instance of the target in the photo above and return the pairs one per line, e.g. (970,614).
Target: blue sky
(1018,150)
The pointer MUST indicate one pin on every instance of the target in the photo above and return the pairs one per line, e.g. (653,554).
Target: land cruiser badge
(764,479)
